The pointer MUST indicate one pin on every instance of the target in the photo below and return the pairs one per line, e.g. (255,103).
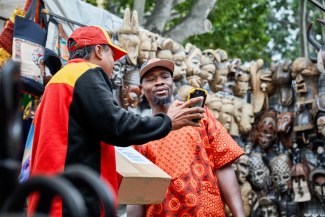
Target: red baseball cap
(93,35)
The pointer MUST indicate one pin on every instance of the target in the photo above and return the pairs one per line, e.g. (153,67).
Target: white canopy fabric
(83,13)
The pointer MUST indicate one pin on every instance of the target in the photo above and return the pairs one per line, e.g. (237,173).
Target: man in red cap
(78,116)
(197,158)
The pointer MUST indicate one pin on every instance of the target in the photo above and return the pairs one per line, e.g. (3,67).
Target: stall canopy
(75,10)
(84,13)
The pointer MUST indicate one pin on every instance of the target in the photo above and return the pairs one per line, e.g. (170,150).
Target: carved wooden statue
(242,83)
(285,129)
(214,103)
(247,119)
(193,62)
(238,106)
(283,80)
(208,69)
(183,91)
(226,114)
(258,96)
(242,171)
(165,46)
(144,47)
(220,77)
(262,86)
(178,57)
(129,36)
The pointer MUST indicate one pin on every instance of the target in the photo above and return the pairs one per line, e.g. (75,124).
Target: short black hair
(84,52)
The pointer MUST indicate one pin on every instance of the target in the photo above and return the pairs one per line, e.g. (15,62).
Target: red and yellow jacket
(77,119)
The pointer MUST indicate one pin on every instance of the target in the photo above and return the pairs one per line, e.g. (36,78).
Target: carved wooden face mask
(242,170)
(280,172)
(266,134)
(118,72)
(144,50)
(305,73)
(207,72)
(193,60)
(285,128)
(285,122)
(220,77)
(299,183)
(304,119)
(131,92)
(130,42)
(238,105)
(284,80)
(317,177)
(245,124)
(321,125)
(214,103)
(266,208)
(180,66)
(258,171)
(241,86)
(208,68)
(226,115)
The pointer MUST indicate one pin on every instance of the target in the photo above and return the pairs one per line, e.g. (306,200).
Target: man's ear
(98,51)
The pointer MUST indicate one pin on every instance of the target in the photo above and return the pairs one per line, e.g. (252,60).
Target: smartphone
(197,92)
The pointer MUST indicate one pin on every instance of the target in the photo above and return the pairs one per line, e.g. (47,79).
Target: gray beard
(162,101)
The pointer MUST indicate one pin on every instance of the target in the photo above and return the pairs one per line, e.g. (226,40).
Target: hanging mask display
(280,170)
(317,178)
(300,187)
(258,171)
(265,208)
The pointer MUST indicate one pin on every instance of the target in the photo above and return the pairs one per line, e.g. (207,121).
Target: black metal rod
(3,18)
(317,4)
(44,11)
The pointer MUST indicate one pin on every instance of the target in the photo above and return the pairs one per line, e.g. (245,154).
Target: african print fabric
(191,156)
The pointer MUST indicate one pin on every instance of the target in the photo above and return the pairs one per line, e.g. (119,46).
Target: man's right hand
(182,114)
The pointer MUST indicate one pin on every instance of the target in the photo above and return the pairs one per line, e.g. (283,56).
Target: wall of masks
(276,113)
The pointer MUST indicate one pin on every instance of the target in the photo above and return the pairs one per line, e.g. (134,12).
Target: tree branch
(194,23)
(176,2)
(158,18)
(139,7)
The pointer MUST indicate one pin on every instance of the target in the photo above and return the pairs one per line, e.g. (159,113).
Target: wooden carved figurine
(129,36)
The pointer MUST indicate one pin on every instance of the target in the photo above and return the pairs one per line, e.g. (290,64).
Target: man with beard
(197,158)
(79,121)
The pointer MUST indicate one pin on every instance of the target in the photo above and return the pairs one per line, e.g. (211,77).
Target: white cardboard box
(140,181)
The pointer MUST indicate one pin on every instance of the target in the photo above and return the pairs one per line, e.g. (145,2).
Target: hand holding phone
(197,92)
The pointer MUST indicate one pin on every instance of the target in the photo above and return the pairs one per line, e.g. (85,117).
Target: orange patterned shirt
(191,156)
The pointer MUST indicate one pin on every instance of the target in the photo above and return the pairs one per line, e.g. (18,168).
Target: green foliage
(314,14)
(117,6)
(283,28)
(93,2)
(246,29)
(239,27)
